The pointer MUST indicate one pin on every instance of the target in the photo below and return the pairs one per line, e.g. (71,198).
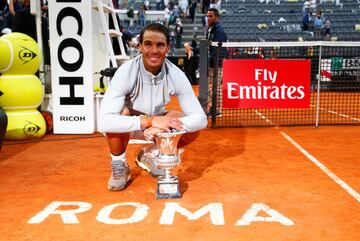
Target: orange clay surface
(232,169)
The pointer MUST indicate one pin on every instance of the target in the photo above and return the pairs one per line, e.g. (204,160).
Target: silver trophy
(168,158)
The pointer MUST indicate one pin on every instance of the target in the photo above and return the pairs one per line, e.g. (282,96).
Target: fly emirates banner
(266,83)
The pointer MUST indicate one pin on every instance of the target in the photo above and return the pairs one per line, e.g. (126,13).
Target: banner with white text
(254,83)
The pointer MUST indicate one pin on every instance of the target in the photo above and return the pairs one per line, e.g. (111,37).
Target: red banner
(266,83)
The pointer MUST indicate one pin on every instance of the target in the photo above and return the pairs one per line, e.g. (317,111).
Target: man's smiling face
(154,49)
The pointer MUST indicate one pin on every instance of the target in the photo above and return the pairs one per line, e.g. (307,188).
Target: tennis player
(134,105)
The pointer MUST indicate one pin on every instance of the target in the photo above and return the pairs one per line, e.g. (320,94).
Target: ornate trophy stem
(168,158)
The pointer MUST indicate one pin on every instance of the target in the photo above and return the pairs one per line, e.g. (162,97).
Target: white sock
(121,157)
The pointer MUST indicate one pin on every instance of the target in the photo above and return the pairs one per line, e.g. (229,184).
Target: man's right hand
(166,123)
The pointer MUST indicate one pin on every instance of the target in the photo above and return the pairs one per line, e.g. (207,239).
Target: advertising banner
(71,66)
(254,83)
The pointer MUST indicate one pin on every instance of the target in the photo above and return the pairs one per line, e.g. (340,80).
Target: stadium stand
(261,21)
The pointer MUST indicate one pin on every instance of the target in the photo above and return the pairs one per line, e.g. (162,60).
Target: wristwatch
(148,119)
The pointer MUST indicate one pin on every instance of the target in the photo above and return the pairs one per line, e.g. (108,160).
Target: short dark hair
(215,11)
(156,27)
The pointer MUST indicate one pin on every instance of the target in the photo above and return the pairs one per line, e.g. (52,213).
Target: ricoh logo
(72,118)
(70,42)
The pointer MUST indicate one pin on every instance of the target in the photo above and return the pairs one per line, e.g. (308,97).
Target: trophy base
(168,189)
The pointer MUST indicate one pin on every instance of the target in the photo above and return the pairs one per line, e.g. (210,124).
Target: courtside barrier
(283,84)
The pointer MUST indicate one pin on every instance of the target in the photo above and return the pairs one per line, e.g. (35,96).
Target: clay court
(293,183)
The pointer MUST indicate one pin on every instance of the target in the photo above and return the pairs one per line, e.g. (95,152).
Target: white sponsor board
(70,26)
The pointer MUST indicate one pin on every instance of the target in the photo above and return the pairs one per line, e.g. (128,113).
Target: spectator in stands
(167,15)
(176,12)
(11,7)
(142,15)
(3,5)
(171,5)
(147,5)
(136,107)
(313,6)
(305,20)
(218,4)
(190,64)
(260,53)
(183,7)
(205,6)
(24,22)
(212,4)
(274,53)
(306,6)
(327,27)
(158,5)
(178,32)
(172,39)
(318,25)
(192,8)
(44,9)
(204,21)
(236,53)
(193,45)
(2,22)
(125,4)
(319,13)
(310,52)
(126,36)
(215,33)
(158,20)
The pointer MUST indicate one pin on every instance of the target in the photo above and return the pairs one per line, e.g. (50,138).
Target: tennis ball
(5,58)
(20,54)
(20,92)
(24,125)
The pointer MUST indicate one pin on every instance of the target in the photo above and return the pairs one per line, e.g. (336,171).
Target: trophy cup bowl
(168,158)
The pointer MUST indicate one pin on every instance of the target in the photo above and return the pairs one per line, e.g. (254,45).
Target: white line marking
(264,117)
(342,184)
(339,114)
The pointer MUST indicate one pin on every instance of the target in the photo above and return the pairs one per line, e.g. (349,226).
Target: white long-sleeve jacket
(133,86)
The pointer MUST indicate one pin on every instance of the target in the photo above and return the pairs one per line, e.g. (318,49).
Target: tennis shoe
(120,176)
(146,161)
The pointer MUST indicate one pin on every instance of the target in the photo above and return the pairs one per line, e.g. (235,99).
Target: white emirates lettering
(259,91)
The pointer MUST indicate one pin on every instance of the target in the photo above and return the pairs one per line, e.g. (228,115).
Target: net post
(318,90)
(215,85)
(203,68)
